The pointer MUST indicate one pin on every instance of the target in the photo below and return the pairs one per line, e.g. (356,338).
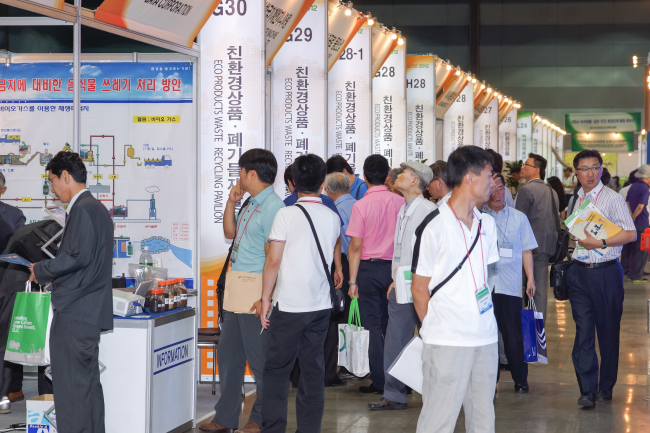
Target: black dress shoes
(521,389)
(604,396)
(336,382)
(370,390)
(386,404)
(587,399)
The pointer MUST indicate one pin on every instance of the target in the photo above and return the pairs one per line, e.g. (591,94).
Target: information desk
(149,378)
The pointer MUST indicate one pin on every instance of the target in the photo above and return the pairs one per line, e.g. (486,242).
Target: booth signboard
(486,127)
(171,20)
(282,18)
(483,95)
(603,141)
(138,131)
(602,122)
(508,136)
(559,147)
(421,106)
(299,93)
(383,45)
(448,90)
(389,108)
(341,28)
(458,123)
(551,155)
(504,108)
(537,137)
(524,134)
(544,147)
(350,102)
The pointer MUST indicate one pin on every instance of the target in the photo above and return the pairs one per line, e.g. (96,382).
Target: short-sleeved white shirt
(453,317)
(302,285)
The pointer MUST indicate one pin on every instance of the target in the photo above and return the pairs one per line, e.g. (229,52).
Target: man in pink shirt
(372,231)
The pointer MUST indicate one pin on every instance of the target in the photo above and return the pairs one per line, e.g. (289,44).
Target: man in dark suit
(81,297)
(12,215)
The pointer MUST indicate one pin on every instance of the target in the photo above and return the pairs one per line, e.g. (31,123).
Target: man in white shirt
(459,330)
(402,319)
(301,302)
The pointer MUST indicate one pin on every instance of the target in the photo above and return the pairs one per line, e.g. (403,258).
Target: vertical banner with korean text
(389,107)
(282,18)
(233,68)
(486,127)
(458,126)
(524,134)
(350,102)
(508,136)
(544,144)
(551,156)
(537,137)
(341,28)
(420,108)
(299,92)
(559,147)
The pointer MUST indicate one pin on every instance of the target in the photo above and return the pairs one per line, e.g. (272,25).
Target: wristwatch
(352,283)
(604,245)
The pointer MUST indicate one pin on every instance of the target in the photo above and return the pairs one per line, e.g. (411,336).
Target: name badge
(505,252)
(233,254)
(484,300)
(581,253)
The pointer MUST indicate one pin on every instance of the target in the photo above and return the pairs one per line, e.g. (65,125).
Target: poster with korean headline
(350,101)
(508,136)
(299,93)
(421,106)
(458,123)
(524,134)
(486,127)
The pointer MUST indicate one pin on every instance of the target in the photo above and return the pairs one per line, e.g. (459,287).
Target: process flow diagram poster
(137,142)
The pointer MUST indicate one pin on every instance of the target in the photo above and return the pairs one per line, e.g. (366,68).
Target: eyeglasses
(498,189)
(529,165)
(586,170)
(49,181)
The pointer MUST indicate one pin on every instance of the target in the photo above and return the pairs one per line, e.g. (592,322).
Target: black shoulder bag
(221,282)
(416,250)
(338,300)
(562,235)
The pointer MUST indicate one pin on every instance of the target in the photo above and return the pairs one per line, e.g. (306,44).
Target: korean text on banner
(508,136)
(537,137)
(282,17)
(559,148)
(544,147)
(458,125)
(389,108)
(524,134)
(177,21)
(350,101)
(341,28)
(551,156)
(299,89)
(486,127)
(603,141)
(420,108)
(382,47)
(602,122)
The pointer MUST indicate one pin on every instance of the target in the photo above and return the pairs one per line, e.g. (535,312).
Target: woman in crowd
(556,184)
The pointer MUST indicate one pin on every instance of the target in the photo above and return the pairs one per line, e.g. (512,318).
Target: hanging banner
(383,46)
(602,122)
(559,148)
(482,97)
(299,89)
(448,90)
(524,134)
(458,124)
(603,141)
(349,103)
(537,137)
(420,108)
(504,108)
(389,108)
(177,21)
(544,143)
(341,28)
(486,127)
(508,136)
(550,171)
(282,18)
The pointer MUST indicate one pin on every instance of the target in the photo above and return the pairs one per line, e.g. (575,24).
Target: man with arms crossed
(460,355)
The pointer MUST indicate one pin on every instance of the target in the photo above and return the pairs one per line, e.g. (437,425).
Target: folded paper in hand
(407,368)
(14,258)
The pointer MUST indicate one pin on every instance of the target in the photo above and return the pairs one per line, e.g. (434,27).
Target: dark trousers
(596,297)
(78,395)
(332,338)
(291,336)
(374,279)
(636,258)
(13,374)
(507,310)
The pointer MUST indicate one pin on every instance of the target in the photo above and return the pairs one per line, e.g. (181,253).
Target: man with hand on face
(595,283)
(241,337)
(82,297)
(402,318)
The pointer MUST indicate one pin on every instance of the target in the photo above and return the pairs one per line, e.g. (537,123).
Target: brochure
(15,258)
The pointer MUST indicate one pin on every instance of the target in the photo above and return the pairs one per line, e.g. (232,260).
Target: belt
(595,265)
(377,260)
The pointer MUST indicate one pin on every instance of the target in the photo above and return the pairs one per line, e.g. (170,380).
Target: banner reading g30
(389,108)
(350,101)
(420,108)
(299,92)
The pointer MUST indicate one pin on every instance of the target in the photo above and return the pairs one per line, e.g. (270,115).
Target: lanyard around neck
(478,233)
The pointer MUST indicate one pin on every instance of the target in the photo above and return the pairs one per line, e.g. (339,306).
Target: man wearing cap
(637,201)
(402,317)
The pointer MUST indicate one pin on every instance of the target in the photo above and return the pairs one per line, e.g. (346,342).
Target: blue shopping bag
(532,327)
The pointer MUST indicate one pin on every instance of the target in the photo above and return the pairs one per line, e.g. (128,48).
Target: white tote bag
(353,343)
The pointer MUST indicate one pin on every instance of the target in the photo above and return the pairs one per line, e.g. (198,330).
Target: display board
(508,136)
(137,142)
(341,28)
(602,122)
(389,108)
(350,102)
(299,92)
(282,18)
(458,126)
(603,141)
(420,108)
(524,134)
(486,127)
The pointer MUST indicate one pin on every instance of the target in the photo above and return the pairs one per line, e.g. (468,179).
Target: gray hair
(393,173)
(3,181)
(338,183)
(422,185)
